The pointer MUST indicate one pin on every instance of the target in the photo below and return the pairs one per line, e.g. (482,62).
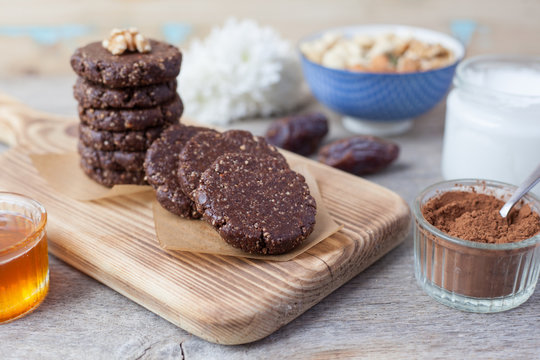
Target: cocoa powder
(472,271)
(475,217)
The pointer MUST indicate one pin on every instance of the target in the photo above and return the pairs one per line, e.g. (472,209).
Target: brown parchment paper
(176,233)
(63,173)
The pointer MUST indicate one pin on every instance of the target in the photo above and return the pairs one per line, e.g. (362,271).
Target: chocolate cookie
(112,160)
(133,119)
(94,95)
(109,178)
(201,151)
(95,63)
(256,203)
(118,141)
(161,167)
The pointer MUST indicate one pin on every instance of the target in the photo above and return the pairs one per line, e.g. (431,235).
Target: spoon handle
(524,188)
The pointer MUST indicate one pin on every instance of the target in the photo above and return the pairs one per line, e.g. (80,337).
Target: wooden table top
(381,313)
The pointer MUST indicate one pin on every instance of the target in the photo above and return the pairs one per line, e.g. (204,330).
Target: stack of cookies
(237,182)
(126,92)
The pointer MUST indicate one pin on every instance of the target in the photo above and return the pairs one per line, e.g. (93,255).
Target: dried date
(360,154)
(301,134)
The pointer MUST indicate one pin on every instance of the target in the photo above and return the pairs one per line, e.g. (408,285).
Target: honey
(24,266)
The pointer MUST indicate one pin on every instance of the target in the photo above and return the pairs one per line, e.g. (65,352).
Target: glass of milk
(492,128)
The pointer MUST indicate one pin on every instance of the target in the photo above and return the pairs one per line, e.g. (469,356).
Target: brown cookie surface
(256,203)
(204,148)
(132,119)
(95,63)
(109,178)
(118,141)
(161,166)
(112,160)
(94,95)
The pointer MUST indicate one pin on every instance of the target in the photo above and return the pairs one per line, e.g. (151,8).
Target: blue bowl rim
(381,26)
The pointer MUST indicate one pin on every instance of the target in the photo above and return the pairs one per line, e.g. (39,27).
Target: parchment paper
(63,173)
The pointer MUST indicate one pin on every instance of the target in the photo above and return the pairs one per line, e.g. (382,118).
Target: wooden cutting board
(222,299)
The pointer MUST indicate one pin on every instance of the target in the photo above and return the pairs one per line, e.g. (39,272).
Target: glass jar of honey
(24,263)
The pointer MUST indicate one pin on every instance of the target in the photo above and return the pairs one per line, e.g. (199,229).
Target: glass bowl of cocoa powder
(466,255)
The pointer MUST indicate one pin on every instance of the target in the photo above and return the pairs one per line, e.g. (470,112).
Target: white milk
(492,126)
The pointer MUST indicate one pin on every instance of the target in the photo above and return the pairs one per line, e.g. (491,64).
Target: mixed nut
(385,53)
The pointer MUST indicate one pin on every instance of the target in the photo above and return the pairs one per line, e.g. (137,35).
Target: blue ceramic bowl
(382,97)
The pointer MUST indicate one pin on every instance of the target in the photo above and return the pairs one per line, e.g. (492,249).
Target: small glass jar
(492,128)
(24,262)
(468,275)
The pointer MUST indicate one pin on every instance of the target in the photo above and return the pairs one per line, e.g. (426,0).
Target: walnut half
(121,40)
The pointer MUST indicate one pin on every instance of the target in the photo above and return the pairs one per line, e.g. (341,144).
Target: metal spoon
(524,188)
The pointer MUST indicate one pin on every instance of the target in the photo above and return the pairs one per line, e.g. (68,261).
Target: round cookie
(201,151)
(118,141)
(132,119)
(257,204)
(95,63)
(109,178)
(161,167)
(94,95)
(112,160)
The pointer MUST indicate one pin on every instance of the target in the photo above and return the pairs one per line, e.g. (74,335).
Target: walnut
(121,40)
(142,44)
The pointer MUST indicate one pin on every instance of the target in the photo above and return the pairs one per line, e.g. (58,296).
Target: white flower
(240,70)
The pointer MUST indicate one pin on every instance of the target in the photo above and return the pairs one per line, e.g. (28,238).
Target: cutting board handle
(37,131)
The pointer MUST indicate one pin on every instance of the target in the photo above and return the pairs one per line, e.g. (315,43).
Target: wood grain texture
(221,299)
